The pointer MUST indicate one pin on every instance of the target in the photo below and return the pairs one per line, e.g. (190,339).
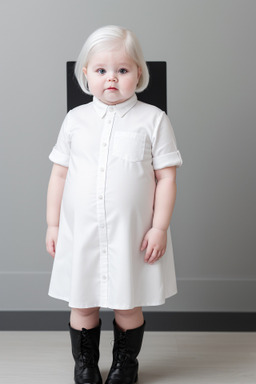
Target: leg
(129,319)
(84,318)
(84,330)
(128,334)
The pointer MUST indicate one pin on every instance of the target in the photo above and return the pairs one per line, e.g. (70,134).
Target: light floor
(166,357)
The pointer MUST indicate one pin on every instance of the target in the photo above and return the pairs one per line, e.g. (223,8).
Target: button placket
(101,209)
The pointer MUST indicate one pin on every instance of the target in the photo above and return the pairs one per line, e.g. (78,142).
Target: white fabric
(107,207)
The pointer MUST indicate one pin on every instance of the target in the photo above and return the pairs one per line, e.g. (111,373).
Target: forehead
(116,54)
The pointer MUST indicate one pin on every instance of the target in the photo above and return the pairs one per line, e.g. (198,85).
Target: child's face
(112,76)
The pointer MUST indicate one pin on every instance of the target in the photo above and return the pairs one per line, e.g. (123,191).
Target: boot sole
(90,382)
(136,379)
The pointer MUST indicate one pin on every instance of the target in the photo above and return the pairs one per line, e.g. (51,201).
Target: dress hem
(161,302)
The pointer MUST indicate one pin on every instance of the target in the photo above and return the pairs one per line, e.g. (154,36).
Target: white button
(100,197)
(111,109)
(104,277)
(109,121)
(102,226)
(104,251)
(104,144)
(102,169)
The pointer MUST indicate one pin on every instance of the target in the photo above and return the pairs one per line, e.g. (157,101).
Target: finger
(148,254)
(51,248)
(48,247)
(144,244)
(52,253)
(158,255)
(153,257)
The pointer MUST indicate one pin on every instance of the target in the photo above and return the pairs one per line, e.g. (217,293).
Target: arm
(165,195)
(54,197)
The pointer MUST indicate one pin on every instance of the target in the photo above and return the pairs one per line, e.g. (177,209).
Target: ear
(85,71)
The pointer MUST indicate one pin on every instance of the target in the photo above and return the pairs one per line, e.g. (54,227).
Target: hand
(51,239)
(155,242)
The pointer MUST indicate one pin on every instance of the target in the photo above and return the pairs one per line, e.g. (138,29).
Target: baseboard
(156,321)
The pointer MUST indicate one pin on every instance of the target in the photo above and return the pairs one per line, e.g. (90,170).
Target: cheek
(131,84)
(94,84)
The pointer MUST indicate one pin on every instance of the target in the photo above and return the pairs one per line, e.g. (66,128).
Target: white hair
(106,38)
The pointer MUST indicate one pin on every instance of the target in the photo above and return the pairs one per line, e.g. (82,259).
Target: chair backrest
(155,93)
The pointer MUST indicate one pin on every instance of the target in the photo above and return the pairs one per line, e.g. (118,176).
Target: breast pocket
(129,146)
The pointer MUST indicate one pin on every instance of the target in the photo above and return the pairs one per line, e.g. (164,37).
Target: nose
(112,77)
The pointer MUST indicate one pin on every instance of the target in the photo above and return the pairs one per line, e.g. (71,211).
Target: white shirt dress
(107,207)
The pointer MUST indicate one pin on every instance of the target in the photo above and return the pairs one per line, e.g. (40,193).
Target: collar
(121,109)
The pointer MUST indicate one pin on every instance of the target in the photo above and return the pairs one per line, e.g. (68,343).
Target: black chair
(155,93)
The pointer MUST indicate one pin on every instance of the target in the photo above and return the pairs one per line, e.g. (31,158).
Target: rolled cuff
(168,160)
(59,158)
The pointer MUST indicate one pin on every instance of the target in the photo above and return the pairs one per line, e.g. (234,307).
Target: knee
(125,313)
(85,312)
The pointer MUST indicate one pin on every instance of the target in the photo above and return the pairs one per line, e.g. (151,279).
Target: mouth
(111,89)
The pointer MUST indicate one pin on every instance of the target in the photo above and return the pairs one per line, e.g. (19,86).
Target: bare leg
(84,318)
(129,319)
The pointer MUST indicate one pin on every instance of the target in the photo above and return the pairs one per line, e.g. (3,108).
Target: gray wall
(210,50)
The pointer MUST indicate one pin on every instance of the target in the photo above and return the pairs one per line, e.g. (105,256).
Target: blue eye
(101,71)
(123,71)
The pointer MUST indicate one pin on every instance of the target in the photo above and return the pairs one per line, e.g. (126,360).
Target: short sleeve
(61,151)
(164,147)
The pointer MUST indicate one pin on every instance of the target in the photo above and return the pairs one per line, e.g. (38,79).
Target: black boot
(85,350)
(127,345)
